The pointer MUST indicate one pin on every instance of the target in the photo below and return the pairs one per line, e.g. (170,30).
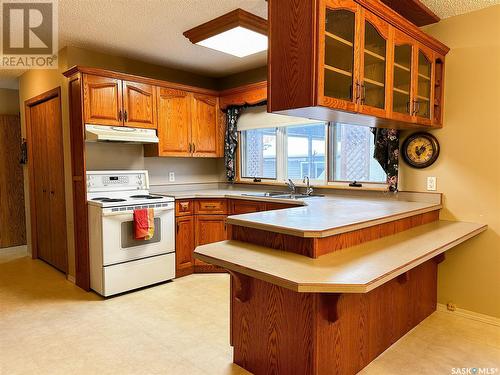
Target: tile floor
(49,326)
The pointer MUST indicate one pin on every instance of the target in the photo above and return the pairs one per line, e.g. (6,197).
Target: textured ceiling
(151,30)
(450,8)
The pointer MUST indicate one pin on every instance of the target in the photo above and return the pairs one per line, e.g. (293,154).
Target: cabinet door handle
(363,93)
(408,107)
(125,116)
(190,147)
(358,94)
(194,147)
(177,230)
(120,115)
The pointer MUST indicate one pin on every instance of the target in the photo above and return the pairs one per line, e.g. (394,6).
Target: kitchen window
(258,156)
(306,152)
(329,154)
(352,155)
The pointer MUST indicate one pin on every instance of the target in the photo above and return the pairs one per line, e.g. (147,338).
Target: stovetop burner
(109,200)
(100,198)
(146,196)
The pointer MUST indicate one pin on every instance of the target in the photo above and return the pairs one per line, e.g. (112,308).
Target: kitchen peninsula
(326,287)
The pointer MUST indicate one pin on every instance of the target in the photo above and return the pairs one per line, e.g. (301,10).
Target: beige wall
(243,78)
(468,169)
(83,57)
(109,156)
(9,102)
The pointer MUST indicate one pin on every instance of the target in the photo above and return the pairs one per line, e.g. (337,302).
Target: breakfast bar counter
(332,302)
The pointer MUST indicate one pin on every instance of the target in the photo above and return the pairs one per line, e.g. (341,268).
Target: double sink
(281,195)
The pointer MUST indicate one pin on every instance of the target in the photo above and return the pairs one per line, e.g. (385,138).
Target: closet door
(12,218)
(40,201)
(55,158)
(47,203)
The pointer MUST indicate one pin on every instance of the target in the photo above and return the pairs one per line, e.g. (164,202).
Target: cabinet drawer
(183,207)
(211,206)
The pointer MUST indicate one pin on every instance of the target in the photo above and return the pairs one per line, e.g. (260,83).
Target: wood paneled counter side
(291,314)
(353,61)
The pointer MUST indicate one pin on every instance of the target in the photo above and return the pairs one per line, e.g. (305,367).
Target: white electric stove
(118,261)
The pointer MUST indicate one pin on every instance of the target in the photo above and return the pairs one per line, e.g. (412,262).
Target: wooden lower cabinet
(209,229)
(203,221)
(184,245)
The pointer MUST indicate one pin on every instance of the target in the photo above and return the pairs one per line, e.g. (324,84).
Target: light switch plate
(171,176)
(431,183)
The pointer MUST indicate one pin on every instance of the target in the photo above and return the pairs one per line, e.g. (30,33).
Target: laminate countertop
(356,269)
(319,216)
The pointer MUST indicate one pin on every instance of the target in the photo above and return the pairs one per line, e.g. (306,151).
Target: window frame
(241,158)
(282,166)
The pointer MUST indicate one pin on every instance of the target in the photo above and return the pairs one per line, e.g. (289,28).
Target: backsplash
(114,156)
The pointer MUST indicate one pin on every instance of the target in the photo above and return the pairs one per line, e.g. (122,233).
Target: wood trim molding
(385,12)
(250,94)
(235,18)
(414,11)
(134,78)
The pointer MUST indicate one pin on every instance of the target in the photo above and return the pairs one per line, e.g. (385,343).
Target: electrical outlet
(431,183)
(171,177)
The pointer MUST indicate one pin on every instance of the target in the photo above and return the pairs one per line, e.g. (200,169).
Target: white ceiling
(151,30)
(450,8)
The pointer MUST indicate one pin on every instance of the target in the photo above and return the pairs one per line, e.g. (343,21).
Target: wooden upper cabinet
(423,85)
(204,125)
(374,66)
(174,122)
(340,47)
(139,105)
(403,72)
(111,101)
(102,100)
(354,61)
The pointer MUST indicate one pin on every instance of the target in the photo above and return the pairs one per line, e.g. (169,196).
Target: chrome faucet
(291,186)
(309,188)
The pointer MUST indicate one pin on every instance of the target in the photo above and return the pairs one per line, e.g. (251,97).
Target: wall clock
(420,150)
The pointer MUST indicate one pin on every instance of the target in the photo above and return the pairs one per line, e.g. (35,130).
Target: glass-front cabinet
(422,108)
(340,53)
(353,61)
(402,77)
(374,62)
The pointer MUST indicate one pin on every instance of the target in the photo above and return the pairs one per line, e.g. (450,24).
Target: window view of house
(306,151)
(259,153)
(353,160)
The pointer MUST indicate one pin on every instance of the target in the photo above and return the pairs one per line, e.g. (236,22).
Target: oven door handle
(105,212)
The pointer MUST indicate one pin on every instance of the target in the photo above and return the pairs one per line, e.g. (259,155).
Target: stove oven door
(119,243)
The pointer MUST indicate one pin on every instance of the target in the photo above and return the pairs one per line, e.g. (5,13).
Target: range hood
(99,133)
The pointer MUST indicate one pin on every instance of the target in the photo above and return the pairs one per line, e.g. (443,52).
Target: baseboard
(71,278)
(470,315)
